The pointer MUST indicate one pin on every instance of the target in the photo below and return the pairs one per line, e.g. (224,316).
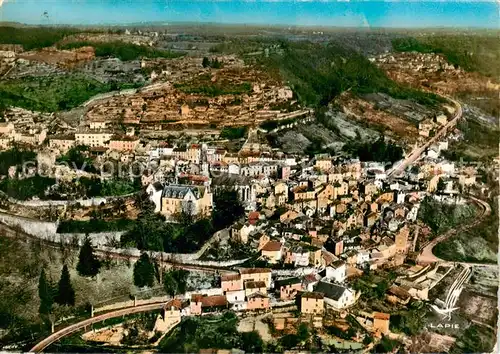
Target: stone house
(172,313)
(256,274)
(257,301)
(288,288)
(380,323)
(196,200)
(200,304)
(336,271)
(312,303)
(123,143)
(252,287)
(240,231)
(272,251)
(231,282)
(62,142)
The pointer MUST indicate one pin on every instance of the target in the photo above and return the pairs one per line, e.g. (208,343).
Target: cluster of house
(258,289)
(346,206)
(23,127)
(163,104)
(428,127)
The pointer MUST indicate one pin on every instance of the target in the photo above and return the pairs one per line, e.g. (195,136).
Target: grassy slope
(20,266)
(51,94)
(34,37)
(480,142)
(479,244)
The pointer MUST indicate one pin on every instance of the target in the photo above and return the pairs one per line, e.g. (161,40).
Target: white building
(362,257)
(336,296)
(154,191)
(336,272)
(235,296)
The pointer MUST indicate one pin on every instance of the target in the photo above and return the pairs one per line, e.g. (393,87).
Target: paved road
(417,152)
(426,256)
(54,337)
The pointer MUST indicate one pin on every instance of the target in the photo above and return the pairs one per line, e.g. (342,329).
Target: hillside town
(171,204)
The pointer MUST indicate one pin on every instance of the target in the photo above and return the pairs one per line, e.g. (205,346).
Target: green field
(54,93)
(34,37)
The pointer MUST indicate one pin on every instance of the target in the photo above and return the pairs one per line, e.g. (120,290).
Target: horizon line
(258,25)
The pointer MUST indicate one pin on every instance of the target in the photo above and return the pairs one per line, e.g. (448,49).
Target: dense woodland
(320,72)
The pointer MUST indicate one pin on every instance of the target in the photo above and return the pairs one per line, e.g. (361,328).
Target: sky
(354,13)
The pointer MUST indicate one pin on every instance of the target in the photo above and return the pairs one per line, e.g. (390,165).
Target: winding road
(9,232)
(427,256)
(417,152)
(54,337)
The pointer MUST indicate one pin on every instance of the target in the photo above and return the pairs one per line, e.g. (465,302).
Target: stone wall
(84,202)
(47,230)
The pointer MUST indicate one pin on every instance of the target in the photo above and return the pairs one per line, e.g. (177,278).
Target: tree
(227,209)
(144,271)
(251,342)
(205,62)
(441,185)
(175,281)
(46,294)
(88,264)
(65,293)
(303,332)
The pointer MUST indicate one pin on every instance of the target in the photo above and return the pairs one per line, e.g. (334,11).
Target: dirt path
(254,323)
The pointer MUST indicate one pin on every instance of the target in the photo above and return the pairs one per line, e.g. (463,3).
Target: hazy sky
(483,14)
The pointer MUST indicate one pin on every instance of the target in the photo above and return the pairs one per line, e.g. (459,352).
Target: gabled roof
(254,270)
(284,282)
(230,277)
(255,284)
(176,303)
(312,295)
(330,290)
(179,191)
(210,301)
(272,246)
(257,294)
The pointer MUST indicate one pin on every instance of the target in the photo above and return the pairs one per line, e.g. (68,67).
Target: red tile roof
(313,295)
(212,301)
(254,270)
(272,246)
(177,303)
(230,277)
(381,316)
(255,284)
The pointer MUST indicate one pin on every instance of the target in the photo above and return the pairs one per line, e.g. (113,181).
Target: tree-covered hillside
(319,72)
